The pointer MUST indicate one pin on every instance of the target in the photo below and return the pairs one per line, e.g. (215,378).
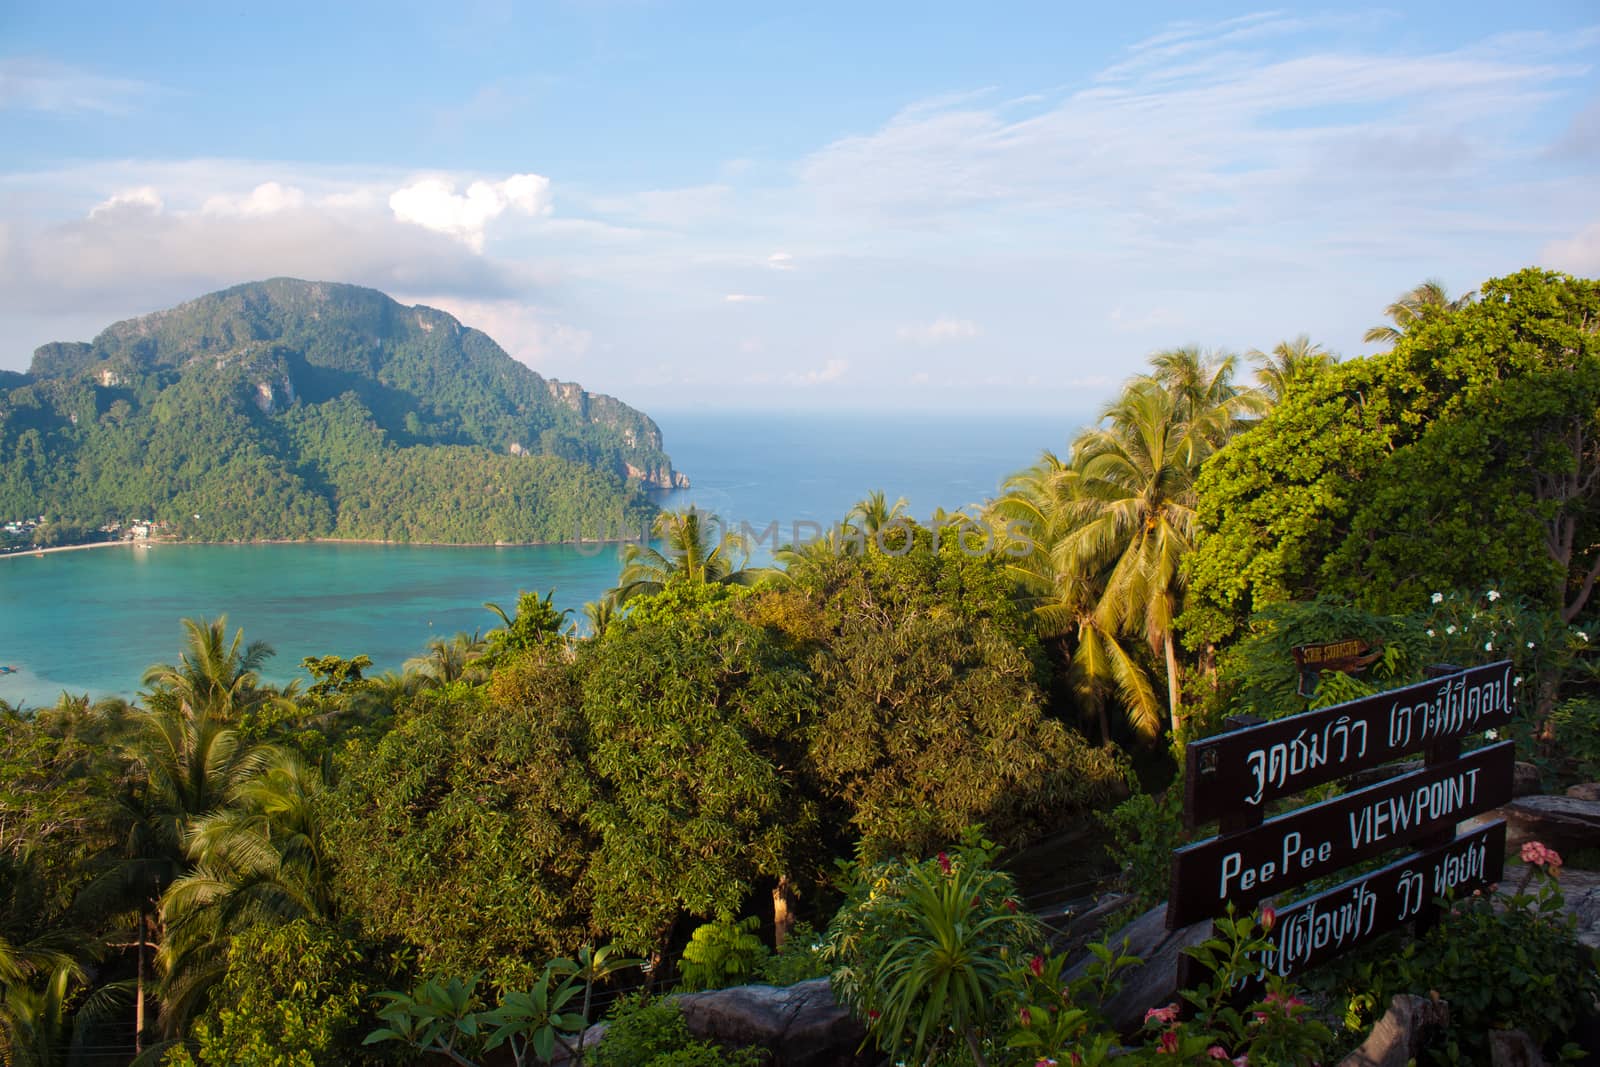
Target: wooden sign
(1348,655)
(1244,770)
(1321,927)
(1281,853)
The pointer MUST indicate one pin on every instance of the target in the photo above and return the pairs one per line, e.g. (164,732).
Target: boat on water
(8,670)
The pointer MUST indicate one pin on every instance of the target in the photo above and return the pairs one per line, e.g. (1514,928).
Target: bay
(92,621)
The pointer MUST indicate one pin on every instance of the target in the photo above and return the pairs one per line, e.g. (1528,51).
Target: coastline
(30,552)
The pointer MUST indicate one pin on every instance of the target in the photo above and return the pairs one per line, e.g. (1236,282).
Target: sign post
(1234,777)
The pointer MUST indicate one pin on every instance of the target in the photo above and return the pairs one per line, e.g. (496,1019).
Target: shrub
(722,953)
(645,1032)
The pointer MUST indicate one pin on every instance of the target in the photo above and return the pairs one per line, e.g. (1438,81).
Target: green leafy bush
(798,959)
(724,953)
(1575,734)
(1505,960)
(646,1032)
(1144,831)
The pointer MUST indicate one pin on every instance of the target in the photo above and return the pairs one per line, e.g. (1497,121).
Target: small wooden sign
(1349,655)
(1321,927)
(1244,770)
(1248,866)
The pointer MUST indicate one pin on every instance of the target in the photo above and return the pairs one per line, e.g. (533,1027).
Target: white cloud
(780,261)
(831,371)
(744,298)
(533,334)
(939,331)
(268,198)
(433,204)
(30,84)
(144,200)
(1578,254)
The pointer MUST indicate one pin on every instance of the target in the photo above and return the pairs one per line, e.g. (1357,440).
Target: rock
(801,1025)
(1401,1034)
(1513,1048)
(1155,984)
(1525,780)
(1566,824)
(1580,896)
(1586,791)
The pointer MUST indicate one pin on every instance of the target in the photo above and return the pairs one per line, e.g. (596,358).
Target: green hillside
(301,409)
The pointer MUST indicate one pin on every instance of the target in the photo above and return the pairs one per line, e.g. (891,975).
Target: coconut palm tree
(1287,362)
(259,859)
(600,614)
(1129,513)
(1035,503)
(447,660)
(1412,307)
(874,512)
(1206,400)
(695,549)
(212,673)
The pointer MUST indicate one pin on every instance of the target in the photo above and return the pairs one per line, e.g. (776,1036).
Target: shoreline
(586,544)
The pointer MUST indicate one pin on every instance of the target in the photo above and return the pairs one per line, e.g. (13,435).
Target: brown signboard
(1284,852)
(1244,770)
(1334,655)
(1319,928)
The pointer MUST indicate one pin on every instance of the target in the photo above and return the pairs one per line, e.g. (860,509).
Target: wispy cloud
(941,330)
(31,84)
(744,298)
(831,371)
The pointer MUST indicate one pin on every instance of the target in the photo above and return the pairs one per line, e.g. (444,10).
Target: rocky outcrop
(1402,1033)
(1566,824)
(801,1025)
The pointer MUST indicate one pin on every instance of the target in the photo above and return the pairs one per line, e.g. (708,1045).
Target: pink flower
(1241,1060)
(1169,1042)
(1036,965)
(1269,919)
(1162,1015)
(1076,1060)
(1045,1063)
(1011,905)
(1537,854)
(872,1016)
(1217,1052)
(944,862)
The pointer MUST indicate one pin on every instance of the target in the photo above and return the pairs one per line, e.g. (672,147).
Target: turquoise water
(92,621)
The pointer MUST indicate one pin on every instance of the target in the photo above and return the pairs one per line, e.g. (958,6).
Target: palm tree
(1414,306)
(259,859)
(696,549)
(1205,399)
(1130,512)
(875,513)
(600,614)
(1287,362)
(447,660)
(1036,504)
(213,674)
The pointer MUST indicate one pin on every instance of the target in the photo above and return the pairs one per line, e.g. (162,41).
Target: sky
(913,206)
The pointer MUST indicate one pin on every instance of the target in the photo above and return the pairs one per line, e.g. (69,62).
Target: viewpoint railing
(1233,778)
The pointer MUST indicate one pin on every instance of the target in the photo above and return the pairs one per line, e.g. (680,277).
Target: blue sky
(922,206)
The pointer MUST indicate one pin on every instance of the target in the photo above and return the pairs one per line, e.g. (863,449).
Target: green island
(286,410)
(923,777)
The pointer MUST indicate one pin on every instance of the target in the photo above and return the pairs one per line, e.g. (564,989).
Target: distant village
(33,534)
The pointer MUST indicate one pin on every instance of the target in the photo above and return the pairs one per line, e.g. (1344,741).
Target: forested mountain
(287,408)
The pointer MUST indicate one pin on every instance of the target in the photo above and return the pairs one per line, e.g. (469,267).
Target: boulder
(1586,791)
(801,1025)
(1525,780)
(1566,824)
(1155,983)
(1401,1034)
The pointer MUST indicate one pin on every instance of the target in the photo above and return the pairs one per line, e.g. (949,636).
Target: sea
(91,622)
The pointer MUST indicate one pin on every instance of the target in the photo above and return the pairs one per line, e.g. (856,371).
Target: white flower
(1530,644)
(1517,680)
(1449,629)
(1493,596)
(1438,598)
(1488,646)
(1430,633)
(1491,735)
(1583,635)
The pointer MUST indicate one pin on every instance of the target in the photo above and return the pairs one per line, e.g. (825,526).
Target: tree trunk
(1105,722)
(1174,691)
(138,996)
(782,916)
